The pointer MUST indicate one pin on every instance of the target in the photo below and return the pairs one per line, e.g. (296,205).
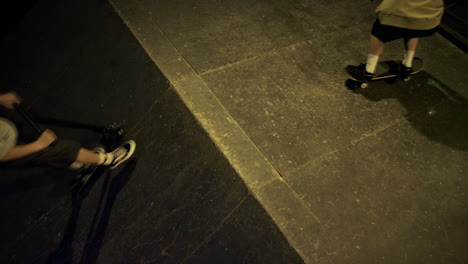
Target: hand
(9,100)
(45,139)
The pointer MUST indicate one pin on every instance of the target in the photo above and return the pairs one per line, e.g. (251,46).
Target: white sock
(372,61)
(408,61)
(76,165)
(105,158)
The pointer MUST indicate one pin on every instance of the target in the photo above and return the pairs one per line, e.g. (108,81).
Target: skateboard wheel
(120,131)
(364,85)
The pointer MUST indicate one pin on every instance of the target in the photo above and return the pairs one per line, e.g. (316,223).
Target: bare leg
(376,46)
(411,44)
(88,157)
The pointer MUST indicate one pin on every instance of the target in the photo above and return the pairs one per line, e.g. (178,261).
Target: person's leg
(110,159)
(376,48)
(379,36)
(62,153)
(365,72)
(67,153)
(86,156)
(411,45)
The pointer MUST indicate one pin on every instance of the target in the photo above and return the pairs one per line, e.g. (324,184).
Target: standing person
(407,19)
(62,153)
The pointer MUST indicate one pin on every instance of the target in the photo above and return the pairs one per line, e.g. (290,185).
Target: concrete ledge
(246,159)
(212,116)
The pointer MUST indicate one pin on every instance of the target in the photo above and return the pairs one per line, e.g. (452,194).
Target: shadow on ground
(434,109)
(16,181)
(109,192)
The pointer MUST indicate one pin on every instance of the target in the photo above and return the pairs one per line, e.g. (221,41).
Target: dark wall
(12,13)
(454,23)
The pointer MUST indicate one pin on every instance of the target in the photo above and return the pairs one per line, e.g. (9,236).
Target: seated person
(62,153)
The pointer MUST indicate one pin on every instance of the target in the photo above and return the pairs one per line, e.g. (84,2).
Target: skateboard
(388,69)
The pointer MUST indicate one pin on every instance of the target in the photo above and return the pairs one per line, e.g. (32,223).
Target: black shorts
(61,153)
(389,33)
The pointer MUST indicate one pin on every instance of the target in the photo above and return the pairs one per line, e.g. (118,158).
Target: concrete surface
(304,169)
(178,201)
(364,176)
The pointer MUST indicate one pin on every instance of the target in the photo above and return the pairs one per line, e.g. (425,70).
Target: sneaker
(100,150)
(405,72)
(360,73)
(122,153)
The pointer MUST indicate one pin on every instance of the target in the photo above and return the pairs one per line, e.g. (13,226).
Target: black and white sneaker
(359,73)
(122,153)
(405,72)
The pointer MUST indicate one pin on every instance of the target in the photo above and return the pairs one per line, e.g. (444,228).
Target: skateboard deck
(388,69)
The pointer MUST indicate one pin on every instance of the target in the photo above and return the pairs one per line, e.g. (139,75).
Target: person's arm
(20,151)
(9,100)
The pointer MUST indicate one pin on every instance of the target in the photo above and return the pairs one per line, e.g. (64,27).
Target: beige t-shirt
(8,136)
(411,14)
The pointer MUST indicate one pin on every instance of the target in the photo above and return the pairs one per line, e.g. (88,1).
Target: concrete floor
(368,176)
(177,201)
(377,176)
